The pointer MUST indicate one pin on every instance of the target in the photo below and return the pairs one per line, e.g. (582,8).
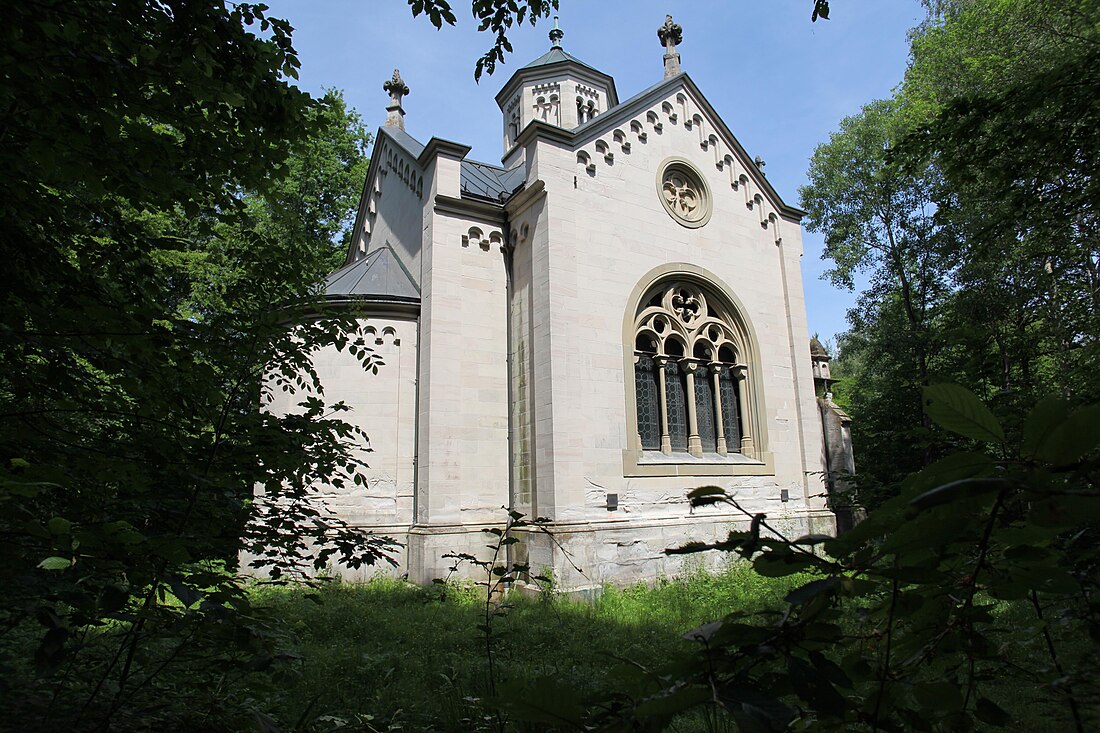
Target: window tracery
(690,373)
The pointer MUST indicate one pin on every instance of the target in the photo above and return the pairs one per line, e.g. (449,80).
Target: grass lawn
(386,656)
(389,654)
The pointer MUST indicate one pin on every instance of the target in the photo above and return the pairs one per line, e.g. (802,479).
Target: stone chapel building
(611,317)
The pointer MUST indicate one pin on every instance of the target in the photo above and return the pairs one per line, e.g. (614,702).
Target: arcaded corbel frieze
(620,137)
(386,337)
(476,237)
(655,121)
(605,150)
(669,111)
(684,113)
(584,160)
(773,224)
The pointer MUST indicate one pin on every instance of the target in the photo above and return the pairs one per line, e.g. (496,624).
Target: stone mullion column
(662,404)
(695,446)
(719,422)
(748,448)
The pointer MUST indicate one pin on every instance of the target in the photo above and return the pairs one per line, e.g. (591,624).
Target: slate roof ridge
(411,145)
(382,265)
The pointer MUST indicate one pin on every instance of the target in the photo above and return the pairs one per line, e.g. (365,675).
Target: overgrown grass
(387,653)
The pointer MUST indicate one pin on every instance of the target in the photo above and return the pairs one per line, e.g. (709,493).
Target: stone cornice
(438,146)
(525,198)
(537,129)
(374,305)
(471,209)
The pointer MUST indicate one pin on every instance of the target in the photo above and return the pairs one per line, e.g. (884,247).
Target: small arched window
(693,384)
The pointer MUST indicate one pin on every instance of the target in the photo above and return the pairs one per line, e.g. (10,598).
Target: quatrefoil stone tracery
(687,306)
(680,195)
(684,193)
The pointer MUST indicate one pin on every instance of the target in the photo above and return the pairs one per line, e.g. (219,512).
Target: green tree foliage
(995,124)
(878,225)
(306,210)
(1020,197)
(966,602)
(165,199)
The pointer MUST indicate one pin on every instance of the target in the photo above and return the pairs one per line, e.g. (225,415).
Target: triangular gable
(675,103)
(387,141)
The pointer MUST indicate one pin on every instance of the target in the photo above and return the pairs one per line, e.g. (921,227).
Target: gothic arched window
(694,390)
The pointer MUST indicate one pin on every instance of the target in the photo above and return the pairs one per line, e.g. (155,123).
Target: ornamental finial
(671,35)
(395,115)
(556,35)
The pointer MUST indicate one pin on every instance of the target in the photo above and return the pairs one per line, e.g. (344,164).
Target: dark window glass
(704,409)
(676,400)
(731,413)
(649,416)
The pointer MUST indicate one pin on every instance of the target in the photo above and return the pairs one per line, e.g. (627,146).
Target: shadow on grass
(386,653)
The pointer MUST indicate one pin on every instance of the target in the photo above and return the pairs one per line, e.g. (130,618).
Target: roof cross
(671,35)
(556,35)
(395,115)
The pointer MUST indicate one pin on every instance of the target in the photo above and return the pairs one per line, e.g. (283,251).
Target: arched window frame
(719,308)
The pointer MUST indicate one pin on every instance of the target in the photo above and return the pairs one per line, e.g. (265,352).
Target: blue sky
(781,83)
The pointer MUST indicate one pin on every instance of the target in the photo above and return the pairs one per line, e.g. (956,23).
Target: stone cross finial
(671,35)
(556,35)
(395,116)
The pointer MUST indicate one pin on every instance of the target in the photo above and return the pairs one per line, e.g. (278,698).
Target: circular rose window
(683,192)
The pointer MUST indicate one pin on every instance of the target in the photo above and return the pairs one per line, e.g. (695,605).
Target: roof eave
(581,68)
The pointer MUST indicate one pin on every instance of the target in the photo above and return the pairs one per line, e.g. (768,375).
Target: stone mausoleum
(610,317)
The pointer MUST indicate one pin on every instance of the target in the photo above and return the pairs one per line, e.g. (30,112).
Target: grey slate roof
(413,146)
(553,56)
(378,276)
(482,180)
(489,181)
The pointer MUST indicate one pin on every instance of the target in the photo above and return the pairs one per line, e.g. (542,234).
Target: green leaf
(959,410)
(942,696)
(990,712)
(1074,439)
(812,539)
(1065,511)
(56,563)
(753,709)
(960,490)
(954,467)
(781,564)
(547,700)
(923,532)
(811,590)
(671,703)
(59,526)
(1044,418)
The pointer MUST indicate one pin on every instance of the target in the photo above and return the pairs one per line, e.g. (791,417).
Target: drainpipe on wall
(416,433)
(508,250)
